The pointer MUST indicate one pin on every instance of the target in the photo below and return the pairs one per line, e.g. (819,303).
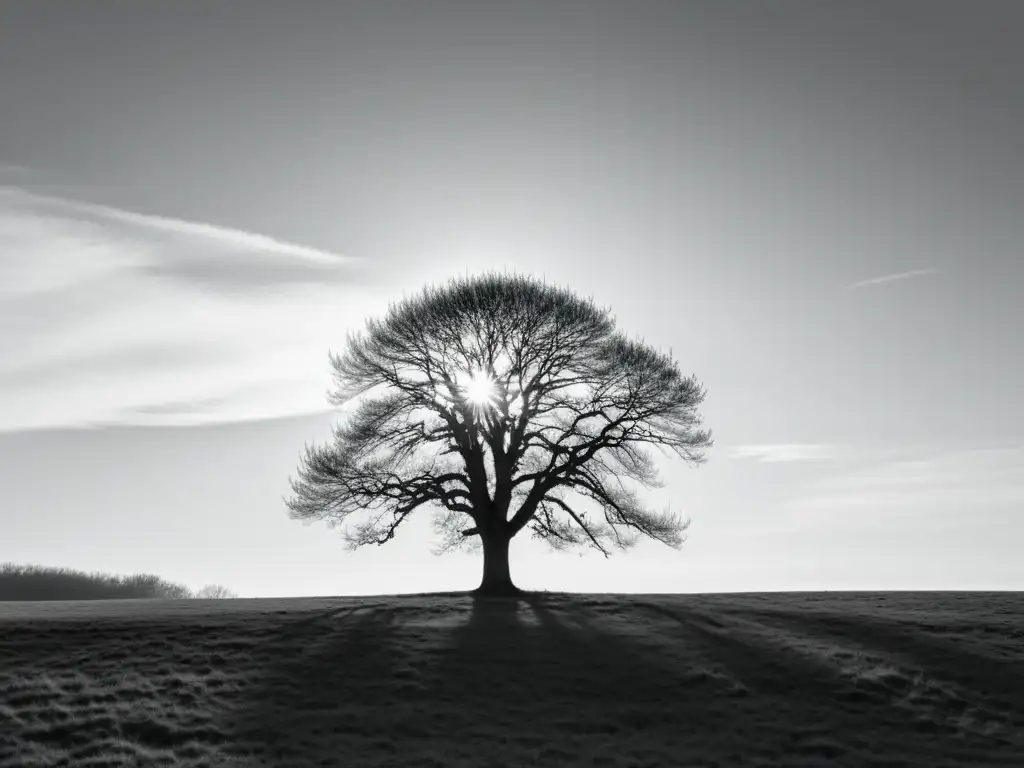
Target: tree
(37,582)
(505,403)
(214,592)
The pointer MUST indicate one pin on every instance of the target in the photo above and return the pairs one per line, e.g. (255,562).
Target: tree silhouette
(214,592)
(37,582)
(504,402)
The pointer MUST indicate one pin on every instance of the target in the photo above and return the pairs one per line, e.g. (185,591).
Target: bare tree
(506,403)
(214,592)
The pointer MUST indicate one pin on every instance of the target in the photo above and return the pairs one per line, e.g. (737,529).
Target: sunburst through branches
(480,391)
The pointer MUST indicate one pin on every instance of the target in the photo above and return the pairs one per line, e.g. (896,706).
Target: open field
(812,679)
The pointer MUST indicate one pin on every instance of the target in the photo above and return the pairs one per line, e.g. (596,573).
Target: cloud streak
(924,489)
(110,316)
(784,452)
(205,255)
(892,278)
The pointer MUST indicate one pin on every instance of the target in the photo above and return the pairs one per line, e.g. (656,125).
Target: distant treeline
(34,582)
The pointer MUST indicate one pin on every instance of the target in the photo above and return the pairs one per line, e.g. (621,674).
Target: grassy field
(811,679)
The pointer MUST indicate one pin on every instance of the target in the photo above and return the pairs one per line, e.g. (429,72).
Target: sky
(816,206)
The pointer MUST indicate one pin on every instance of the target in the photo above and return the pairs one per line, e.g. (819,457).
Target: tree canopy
(505,403)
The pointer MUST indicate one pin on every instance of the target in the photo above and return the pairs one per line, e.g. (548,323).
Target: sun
(479,389)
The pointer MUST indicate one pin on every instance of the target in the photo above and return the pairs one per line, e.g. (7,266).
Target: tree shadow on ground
(885,684)
(459,678)
(958,661)
(540,679)
(464,680)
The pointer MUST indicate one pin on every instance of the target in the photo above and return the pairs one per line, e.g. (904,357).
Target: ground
(808,679)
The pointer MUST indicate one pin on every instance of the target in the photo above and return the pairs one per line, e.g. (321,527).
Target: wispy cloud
(10,169)
(892,278)
(113,316)
(784,452)
(927,486)
(206,255)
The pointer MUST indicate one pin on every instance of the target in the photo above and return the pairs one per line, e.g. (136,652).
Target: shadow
(451,680)
(548,678)
(318,690)
(538,679)
(885,703)
(970,669)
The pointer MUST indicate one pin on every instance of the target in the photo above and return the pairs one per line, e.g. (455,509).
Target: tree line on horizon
(40,583)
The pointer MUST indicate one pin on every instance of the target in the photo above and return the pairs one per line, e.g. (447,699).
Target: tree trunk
(497,579)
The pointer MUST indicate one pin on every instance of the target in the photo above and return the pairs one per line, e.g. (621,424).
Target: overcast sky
(817,206)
